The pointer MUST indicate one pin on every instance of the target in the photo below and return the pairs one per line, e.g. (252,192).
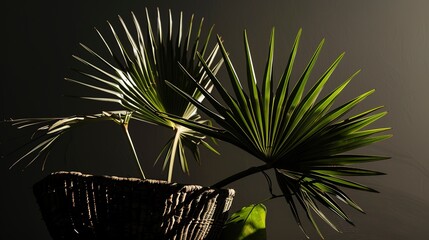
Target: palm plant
(132,76)
(304,139)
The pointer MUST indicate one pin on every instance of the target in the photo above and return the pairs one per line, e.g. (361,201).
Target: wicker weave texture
(82,206)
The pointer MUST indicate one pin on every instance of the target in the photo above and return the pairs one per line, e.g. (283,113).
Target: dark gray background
(388,40)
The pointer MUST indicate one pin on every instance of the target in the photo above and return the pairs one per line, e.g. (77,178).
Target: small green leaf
(246,224)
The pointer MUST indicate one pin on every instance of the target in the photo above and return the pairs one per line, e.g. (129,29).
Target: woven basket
(81,206)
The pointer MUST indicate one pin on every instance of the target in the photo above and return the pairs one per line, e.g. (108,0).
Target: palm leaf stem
(130,141)
(241,175)
(173,153)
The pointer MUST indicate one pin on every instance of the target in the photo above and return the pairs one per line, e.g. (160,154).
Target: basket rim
(135,180)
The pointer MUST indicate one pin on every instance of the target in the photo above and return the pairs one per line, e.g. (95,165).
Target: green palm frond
(134,70)
(292,130)
(49,130)
(135,78)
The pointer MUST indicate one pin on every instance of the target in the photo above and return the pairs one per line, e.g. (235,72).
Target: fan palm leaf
(134,72)
(49,130)
(291,130)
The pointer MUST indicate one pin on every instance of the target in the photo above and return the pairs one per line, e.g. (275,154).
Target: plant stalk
(173,155)
(134,150)
(241,175)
